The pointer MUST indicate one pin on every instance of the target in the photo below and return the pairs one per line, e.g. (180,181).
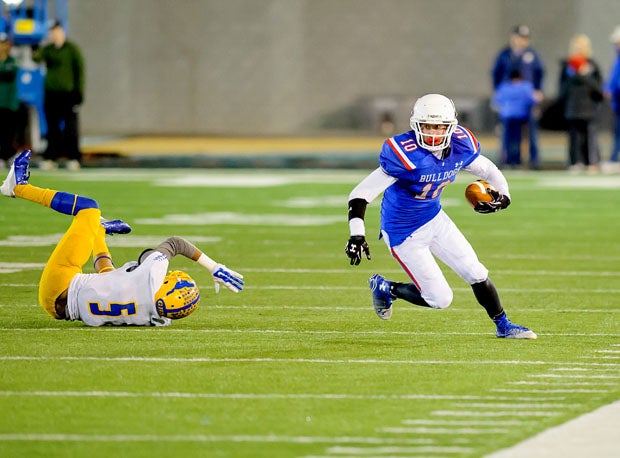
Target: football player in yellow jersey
(138,293)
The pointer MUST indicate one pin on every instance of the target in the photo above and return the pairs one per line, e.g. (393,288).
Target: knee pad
(71,204)
(440,301)
(476,273)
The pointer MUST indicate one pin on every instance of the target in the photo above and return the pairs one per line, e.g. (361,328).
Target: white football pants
(439,237)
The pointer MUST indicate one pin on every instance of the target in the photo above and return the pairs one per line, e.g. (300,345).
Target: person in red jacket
(581,92)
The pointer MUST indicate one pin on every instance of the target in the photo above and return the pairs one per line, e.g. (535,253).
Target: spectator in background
(519,55)
(514,100)
(9,103)
(612,93)
(581,93)
(64,93)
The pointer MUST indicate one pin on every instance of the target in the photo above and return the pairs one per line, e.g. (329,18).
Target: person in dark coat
(581,92)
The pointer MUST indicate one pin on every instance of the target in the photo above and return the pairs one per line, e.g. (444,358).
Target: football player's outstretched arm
(488,171)
(221,274)
(364,193)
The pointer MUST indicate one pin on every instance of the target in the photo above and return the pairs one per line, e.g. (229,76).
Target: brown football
(478,191)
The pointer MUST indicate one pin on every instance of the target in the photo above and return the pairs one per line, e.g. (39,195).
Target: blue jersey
(528,62)
(413,200)
(514,99)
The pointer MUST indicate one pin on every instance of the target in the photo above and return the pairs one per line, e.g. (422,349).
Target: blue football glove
(229,278)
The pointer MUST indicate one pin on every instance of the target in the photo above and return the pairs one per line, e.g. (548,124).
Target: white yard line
(202,438)
(505,413)
(406,308)
(548,390)
(581,369)
(564,376)
(562,383)
(362,287)
(272,331)
(125,330)
(442,431)
(373,452)
(274,396)
(468,422)
(511,405)
(138,359)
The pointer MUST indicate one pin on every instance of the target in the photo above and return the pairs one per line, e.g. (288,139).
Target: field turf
(298,365)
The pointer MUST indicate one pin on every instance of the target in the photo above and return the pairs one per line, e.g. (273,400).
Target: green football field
(298,365)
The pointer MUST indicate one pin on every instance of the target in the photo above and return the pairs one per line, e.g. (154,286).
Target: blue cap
(522,30)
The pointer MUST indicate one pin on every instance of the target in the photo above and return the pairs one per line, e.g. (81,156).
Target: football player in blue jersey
(414,168)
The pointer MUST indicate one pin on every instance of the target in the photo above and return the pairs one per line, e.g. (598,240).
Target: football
(478,191)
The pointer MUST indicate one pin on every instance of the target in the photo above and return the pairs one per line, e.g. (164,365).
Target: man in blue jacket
(519,55)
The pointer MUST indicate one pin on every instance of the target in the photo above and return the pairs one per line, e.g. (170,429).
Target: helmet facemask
(178,296)
(433,109)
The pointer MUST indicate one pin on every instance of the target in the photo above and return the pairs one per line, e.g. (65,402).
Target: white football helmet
(433,109)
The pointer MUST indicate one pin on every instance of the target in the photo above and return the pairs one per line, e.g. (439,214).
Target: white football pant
(439,237)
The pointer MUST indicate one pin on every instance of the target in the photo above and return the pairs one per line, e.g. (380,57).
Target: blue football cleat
(381,296)
(19,172)
(508,330)
(115,226)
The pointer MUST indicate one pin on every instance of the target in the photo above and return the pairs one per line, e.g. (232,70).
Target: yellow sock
(34,194)
(103,262)
(99,245)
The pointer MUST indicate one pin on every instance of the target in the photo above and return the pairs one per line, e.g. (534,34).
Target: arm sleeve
(38,56)
(174,246)
(497,73)
(539,73)
(373,185)
(485,169)
(364,193)
(78,69)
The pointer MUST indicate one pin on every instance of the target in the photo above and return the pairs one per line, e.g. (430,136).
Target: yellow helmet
(178,296)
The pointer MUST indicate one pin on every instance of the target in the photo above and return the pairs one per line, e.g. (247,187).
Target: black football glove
(499,202)
(355,247)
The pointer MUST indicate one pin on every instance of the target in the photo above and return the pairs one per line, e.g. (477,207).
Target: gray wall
(299,66)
